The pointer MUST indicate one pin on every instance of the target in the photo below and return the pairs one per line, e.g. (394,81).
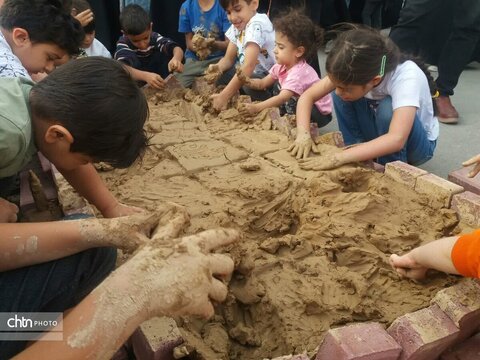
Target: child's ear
(57,133)
(254,4)
(376,80)
(300,51)
(20,37)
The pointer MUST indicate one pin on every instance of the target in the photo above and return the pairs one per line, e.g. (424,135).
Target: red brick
(156,338)
(460,303)
(439,191)
(424,334)
(365,341)
(378,167)
(201,86)
(468,350)
(461,178)
(44,162)
(404,173)
(467,206)
(293,357)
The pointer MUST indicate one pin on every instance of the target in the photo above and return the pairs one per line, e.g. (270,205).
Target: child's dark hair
(226,3)
(81,5)
(97,100)
(300,31)
(46,22)
(357,56)
(134,20)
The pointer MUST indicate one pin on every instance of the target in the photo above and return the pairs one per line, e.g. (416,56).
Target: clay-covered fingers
(178,221)
(8,211)
(473,161)
(312,164)
(407,267)
(300,150)
(212,239)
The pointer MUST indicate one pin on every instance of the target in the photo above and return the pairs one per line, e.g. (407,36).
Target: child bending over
(296,40)
(35,37)
(148,56)
(382,100)
(252,40)
(90,46)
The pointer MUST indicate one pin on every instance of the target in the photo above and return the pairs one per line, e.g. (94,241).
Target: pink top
(298,79)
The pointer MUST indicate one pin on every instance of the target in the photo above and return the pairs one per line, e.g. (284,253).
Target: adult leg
(54,286)
(413,18)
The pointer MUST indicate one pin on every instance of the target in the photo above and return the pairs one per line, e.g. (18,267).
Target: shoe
(446,112)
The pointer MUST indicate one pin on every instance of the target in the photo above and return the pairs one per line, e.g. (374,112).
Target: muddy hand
(213,73)
(407,267)
(324,162)
(173,219)
(126,233)
(476,169)
(302,145)
(182,278)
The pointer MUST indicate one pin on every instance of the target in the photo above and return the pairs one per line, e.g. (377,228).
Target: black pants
(459,47)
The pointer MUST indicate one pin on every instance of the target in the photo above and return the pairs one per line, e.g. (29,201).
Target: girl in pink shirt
(297,39)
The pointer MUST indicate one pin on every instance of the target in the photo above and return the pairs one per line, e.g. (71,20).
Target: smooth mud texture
(315,249)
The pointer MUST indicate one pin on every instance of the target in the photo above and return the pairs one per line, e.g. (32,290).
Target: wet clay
(203,45)
(314,253)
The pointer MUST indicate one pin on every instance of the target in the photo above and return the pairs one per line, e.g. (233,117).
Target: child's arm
(86,181)
(177,278)
(152,79)
(251,55)
(175,64)
(389,143)
(24,244)
(274,101)
(434,255)
(303,142)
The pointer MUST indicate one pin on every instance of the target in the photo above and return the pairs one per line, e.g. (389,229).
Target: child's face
(240,13)
(285,52)
(349,92)
(88,40)
(36,57)
(141,41)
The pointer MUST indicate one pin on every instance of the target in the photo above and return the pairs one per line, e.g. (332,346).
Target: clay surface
(316,244)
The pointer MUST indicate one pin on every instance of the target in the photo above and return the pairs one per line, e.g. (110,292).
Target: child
(74,117)
(36,36)
(146,53)
(206,21)
(382,101)
(252,40)
(90,46)
(296,40)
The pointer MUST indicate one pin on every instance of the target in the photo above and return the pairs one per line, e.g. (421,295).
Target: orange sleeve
(466,254)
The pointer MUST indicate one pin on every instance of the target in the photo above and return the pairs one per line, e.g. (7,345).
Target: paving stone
(467,206)
(460,303)
(404,173)
(467,350)
(156,338)
(424,334)
(439,191)
(461,178)
(364,341)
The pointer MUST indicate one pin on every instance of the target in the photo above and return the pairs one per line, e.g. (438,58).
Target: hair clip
(382,66)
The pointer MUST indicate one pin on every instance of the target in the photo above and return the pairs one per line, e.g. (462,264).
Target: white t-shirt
(97,49)
(259,30)
(10,65)
(408,86)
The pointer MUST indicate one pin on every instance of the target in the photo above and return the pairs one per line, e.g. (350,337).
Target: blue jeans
(364,120)
(54,286)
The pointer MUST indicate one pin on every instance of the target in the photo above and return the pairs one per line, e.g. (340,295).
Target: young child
(252,40)
(383,104)
(148,56)
(36,36)
(296,40)
(204,23)
(90,46)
